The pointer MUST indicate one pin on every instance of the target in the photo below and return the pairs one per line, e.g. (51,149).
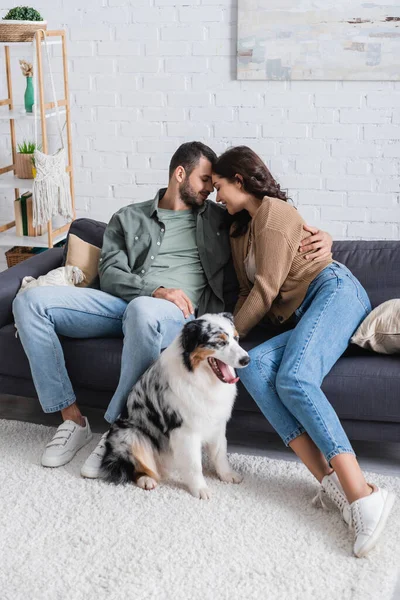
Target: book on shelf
(18,218)
(23,210)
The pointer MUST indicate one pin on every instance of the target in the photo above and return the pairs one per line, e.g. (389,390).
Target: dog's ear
(191,335)
(228,316)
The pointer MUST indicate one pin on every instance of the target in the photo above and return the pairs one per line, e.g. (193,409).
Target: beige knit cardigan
(283,275)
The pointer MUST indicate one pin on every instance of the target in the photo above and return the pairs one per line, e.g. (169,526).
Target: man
(162,263)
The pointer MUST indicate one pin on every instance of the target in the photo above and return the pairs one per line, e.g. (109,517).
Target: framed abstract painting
(319,40)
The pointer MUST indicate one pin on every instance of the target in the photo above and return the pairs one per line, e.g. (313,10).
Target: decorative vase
(29,97)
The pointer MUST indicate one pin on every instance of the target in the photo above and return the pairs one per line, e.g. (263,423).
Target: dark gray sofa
(363,387)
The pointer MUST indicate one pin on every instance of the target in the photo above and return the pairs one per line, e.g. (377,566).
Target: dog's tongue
(227,371)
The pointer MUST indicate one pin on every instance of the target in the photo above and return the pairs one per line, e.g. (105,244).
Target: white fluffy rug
(64,537)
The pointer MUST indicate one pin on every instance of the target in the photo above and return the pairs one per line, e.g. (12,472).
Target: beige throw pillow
(85,256)
(380,331)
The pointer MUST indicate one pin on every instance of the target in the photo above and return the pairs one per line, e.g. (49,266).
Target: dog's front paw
(231,477)
(204,493)
(146,483)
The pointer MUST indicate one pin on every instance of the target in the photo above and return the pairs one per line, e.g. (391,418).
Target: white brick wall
(147,75)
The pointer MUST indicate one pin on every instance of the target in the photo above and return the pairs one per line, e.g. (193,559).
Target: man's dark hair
(188,156)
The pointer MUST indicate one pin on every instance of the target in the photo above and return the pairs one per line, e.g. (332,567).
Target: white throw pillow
(380,331)
(69,275)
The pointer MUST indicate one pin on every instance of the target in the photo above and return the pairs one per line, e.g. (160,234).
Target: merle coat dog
(181,404)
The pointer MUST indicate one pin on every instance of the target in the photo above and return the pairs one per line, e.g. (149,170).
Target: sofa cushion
(83,246)
(85,256)
(380,331)
(375,264)
(88,230)
(92,363)
(91,232)
(361,386)
(13,358)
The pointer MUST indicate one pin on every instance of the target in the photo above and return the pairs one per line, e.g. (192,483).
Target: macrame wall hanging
(51,193)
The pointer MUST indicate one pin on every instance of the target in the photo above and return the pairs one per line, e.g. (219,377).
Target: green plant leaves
(23,13)
(28,147)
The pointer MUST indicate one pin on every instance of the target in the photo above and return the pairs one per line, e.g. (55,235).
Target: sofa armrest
(10,279)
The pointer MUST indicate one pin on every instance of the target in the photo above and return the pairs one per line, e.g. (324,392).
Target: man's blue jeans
(147,325)
(285,373)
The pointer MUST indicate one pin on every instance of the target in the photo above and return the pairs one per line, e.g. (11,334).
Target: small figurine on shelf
(27,71)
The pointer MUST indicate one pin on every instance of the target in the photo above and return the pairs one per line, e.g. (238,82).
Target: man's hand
(317,246)
(178,297)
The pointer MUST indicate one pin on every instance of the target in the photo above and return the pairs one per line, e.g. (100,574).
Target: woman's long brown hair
(257,180)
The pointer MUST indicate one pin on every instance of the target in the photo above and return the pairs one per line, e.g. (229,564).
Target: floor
(378,457)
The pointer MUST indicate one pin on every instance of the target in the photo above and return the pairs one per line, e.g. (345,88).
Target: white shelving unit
(8,111)
(9,238)
(20,113)
(9,181)
(14,44)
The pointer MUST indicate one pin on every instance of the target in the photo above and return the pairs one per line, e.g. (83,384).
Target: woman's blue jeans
(285,373)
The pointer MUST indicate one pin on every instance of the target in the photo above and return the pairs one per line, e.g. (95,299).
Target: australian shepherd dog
(181,404)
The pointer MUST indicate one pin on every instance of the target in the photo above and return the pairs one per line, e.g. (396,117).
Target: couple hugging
(161,266)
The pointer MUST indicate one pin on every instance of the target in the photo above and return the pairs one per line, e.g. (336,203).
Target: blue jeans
(285,373)
(147,325)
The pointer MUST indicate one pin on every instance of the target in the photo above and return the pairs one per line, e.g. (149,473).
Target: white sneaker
(369,518)
(69,438)
(91,466)
(331,489)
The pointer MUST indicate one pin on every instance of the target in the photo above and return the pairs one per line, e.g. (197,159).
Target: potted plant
(20,24)
(24,161)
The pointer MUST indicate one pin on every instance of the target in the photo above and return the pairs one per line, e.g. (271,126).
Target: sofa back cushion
(376,265)
(85,256)
(82,249)
(88,230)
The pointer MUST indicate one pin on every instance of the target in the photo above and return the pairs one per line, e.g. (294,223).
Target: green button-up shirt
(132,241)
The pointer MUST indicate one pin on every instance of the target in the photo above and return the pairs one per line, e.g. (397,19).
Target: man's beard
(188,195)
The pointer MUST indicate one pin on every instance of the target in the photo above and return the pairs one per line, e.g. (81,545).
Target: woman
(326,303)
